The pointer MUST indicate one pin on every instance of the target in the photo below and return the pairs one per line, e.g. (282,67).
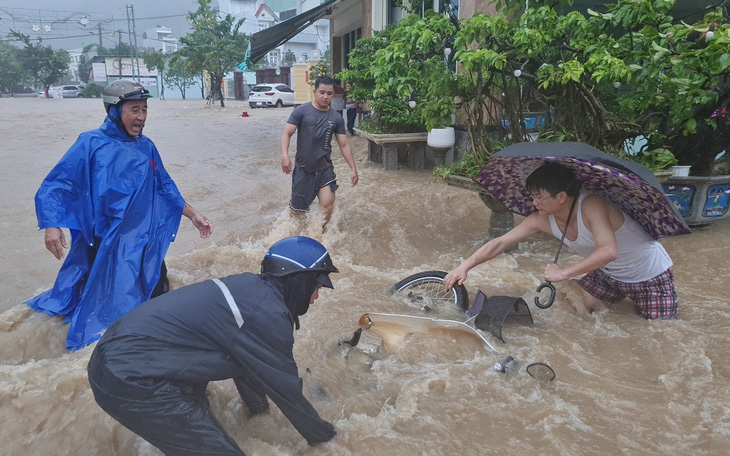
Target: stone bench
(383,148)
(700,200)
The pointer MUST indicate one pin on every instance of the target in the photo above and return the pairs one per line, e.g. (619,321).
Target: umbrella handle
(547,283)
(552,295)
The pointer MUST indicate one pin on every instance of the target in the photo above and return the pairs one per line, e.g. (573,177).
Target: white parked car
(66,91)
(72,91)
(263,95)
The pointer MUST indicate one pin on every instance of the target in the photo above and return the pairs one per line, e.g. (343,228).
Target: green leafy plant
(93,90)
(468,166)
(629,71)
(44,65)
(412,67)
(401,64)
(213,46)
(180,75)
(320,68)
(654,159)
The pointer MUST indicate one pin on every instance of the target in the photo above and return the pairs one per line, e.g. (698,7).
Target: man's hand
(202,224)
(286,165)
(55,242)
(199,221)
(284,142)
(555,274)
(457,276)
(353,178)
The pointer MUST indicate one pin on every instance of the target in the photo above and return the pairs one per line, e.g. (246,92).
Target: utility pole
(99,27)
(131,26)
(119,53)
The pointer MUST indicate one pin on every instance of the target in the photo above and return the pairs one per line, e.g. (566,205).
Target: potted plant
(403,73)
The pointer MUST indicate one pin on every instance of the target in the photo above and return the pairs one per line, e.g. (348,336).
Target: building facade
(355,19)
(260,15)
(160,38)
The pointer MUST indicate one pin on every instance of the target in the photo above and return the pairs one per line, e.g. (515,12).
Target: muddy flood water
(624,386)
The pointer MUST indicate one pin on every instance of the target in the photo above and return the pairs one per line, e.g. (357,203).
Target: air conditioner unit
(316,55)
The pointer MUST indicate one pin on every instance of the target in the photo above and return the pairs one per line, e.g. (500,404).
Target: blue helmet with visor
(298,254)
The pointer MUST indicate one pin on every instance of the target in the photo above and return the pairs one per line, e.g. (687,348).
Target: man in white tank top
(621,260)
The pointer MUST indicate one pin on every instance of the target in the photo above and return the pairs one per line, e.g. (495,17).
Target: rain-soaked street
(624,385)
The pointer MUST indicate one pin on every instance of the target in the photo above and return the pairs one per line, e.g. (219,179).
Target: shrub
(93,91)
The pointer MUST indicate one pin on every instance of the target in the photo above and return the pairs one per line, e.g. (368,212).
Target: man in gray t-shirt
(313,176)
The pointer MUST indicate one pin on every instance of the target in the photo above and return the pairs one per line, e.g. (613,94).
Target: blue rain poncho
(123,210)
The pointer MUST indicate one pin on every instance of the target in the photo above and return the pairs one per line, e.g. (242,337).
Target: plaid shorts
(655,298)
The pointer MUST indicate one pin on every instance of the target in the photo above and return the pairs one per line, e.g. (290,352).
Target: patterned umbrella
(629,185)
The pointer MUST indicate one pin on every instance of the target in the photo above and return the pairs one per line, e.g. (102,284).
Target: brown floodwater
(624,385)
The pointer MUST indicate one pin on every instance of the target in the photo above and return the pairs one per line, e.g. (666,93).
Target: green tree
(120,50)
(391,112)
(289,58)
(320,68)
(44,65)
(180,75)
(214,46)
(603,78)
(630,71)
(100,50)
(83,69)
(413,66)
(11,70)
(155,59)
(85,66)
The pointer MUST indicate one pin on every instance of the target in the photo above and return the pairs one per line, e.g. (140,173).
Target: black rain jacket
(191,336)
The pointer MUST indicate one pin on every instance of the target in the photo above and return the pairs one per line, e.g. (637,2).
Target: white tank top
(640,257)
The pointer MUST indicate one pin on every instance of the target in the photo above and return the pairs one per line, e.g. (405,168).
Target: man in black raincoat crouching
(150,369)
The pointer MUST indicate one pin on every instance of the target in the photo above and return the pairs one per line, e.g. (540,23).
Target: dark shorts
(305,186)
(655,298)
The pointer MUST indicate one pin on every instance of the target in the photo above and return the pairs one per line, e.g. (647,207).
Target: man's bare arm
(347,155)
(533,224)
(595,212)
(284,142)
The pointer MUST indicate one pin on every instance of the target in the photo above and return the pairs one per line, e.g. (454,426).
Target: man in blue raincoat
(122,209)
(151,368)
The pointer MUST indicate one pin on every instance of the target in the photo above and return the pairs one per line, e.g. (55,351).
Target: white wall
(348,19)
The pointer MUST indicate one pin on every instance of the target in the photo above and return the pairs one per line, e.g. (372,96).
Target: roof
(271,38)
(271,12)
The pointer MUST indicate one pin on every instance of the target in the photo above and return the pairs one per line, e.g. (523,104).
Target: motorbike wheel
(427,289)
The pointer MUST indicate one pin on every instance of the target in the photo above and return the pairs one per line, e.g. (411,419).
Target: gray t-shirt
(314,136)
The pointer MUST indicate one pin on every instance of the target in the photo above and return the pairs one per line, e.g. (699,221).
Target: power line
(162,17)
(702,11)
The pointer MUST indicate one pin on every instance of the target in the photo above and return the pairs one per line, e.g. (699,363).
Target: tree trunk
(218,81)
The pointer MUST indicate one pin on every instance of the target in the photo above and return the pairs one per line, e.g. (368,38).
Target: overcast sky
(69,24)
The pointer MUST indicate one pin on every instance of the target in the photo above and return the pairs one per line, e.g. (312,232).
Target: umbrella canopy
(629,185)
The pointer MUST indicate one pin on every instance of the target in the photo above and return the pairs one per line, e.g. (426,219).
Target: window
(445,5)
(348,43)
(395,12)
